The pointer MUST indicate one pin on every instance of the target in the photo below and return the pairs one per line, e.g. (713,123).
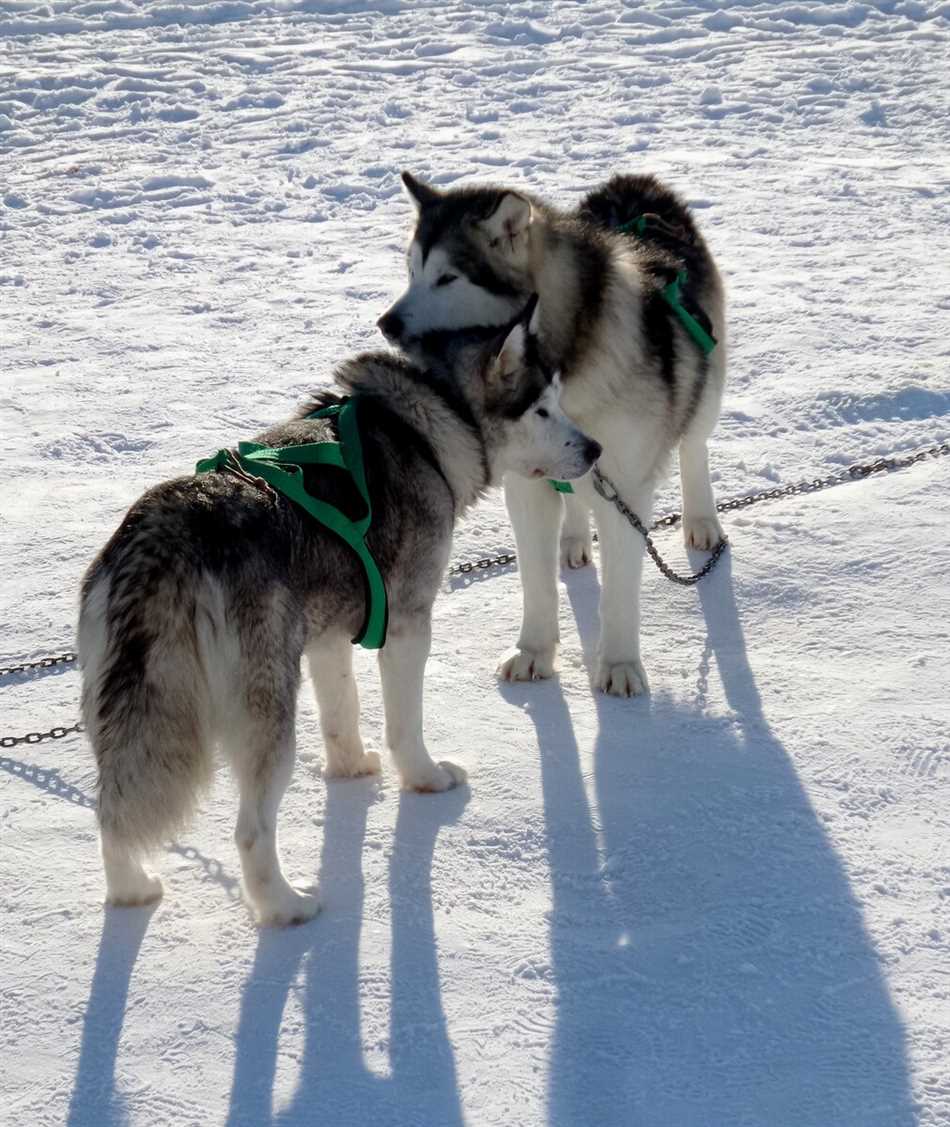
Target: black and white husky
(195,615)
(632,377)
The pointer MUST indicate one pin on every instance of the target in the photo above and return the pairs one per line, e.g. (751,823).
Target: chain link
(43,663)
(56,733)
(606,488)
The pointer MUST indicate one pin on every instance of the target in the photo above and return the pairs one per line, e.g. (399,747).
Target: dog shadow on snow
(321,965)
(710,961)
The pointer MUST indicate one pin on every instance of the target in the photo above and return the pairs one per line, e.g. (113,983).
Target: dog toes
(442,776)
(576,551)
(147,891)
(527,665)
(292,907)
(368,764)
(702,532)
(622,679)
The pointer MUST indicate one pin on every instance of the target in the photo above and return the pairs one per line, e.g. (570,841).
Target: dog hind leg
(701,527)
(262,750)
(145,709)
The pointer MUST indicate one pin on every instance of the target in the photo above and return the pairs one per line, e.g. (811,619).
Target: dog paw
(291,907)
(146,890)
(527,665)
(367,764)
(702,532)
(622,678)
(440,777)
(576,551)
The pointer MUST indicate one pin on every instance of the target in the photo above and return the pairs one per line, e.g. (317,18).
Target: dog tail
(625,198)
(668,240)
(145,700)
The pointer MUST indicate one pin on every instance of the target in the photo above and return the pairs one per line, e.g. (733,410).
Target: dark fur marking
(454,214)
(658,332)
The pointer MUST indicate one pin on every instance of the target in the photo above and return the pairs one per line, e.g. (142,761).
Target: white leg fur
(128,885)
(331,667)
(576,546)
(402,663)
(701,527)
(535,511)
(263,778)
(619,670)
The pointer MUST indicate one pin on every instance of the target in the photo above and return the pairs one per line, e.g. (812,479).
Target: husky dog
(632,377)
(196,613)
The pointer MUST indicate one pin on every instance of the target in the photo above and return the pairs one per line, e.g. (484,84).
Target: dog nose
(593,450)
(391,326)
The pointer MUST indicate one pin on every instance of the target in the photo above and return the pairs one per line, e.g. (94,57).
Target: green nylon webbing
(673,296)
(281,466)
(672,293)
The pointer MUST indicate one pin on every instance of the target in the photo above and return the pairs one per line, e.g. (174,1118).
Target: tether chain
(56,733)
(855,472)
(606,488)
(43,663)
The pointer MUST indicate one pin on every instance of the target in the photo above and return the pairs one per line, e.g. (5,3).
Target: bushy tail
(145,707)
(625,198)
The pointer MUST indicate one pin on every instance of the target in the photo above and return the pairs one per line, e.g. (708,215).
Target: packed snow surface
(726,905)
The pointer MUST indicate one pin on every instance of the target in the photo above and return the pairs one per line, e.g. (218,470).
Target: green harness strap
(672,294)
(280,467)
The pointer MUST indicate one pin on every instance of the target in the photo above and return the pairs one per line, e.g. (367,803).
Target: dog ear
(510,219)
(509,360)
(420,194)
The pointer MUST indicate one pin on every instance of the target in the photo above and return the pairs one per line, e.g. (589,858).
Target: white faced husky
(632,376)
(195,615)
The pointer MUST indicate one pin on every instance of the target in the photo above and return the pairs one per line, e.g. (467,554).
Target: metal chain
(56,733)
(855,472)
(606,488)
(43,663)
(608,491)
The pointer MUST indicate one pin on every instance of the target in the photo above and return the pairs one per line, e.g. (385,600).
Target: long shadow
(335,1084)
(48,779)
(711,961)
(95,1099)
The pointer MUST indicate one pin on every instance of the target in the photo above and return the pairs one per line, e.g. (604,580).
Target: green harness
(672,294)
(280,468)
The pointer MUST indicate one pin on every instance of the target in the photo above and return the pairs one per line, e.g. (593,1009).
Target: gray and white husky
(195,615)
(631,376)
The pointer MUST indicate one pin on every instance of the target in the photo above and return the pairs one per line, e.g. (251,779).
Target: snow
(728,904)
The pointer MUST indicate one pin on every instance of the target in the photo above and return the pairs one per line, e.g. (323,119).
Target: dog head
(468,261)
(517,399)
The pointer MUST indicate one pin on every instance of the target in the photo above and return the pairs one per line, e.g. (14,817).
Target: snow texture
(727,905)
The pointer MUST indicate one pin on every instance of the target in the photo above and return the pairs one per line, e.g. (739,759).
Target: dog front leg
(402,663)
(535,511)
(331,668)
(619,670)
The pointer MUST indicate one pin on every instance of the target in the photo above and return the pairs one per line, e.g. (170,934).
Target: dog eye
(446,279)
(543,412)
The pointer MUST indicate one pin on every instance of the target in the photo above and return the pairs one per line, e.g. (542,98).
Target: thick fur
(631,376)
(195,615)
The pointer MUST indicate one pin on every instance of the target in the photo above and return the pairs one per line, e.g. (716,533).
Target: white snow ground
(727,905)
